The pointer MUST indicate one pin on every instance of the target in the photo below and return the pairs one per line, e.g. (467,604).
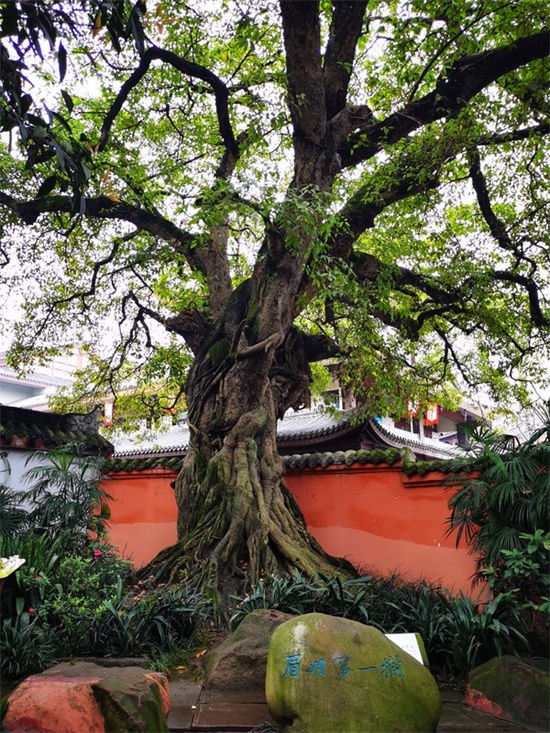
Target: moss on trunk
(237,520)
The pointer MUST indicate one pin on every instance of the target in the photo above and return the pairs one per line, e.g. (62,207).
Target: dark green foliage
(12,515)
(34,27)
(70,596)
(161,622)
(81,605)
(503,510)
(27,585)
(75,602)
(509,494)
(458,634)
(25,646)
(472,634)
(65,491)
(82,608)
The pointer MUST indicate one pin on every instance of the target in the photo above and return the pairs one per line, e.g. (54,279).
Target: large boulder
(81,697)
(511,688)
(240,661)
(331,674)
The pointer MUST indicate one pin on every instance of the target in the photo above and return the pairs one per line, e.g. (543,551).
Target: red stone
(476,699)
(164,691)
(83,697)
(54,704)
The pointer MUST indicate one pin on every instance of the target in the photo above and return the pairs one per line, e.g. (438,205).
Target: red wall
(383,521)
(375,516)
(143,513)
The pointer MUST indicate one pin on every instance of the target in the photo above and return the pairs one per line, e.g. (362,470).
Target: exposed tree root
(240,523)
(237,520)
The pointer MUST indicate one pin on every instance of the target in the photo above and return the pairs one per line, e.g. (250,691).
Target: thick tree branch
(367,268)
(466,78)
(345,29)
(103,207)
(515,135)
(216,265)
(302,38)
(415,171)
(363,207)
(499,232)
(496,226)
(144,310)
(192,326)
(537,316)
(189,68)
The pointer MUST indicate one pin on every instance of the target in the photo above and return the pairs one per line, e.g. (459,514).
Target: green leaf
(62,61)
(46,186)
(69,102)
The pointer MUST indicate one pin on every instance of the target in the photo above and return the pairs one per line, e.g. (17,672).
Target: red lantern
(431,416)
(108,413)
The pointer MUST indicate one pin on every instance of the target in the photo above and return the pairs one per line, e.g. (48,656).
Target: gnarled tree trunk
(237,519)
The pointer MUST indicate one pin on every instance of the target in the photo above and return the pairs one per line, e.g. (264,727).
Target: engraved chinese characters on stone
(389,667)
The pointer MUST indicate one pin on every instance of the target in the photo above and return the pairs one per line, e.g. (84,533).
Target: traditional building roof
(420,446)
(302,460)
(35,379)
(305,433)
(34,430)
(312,425)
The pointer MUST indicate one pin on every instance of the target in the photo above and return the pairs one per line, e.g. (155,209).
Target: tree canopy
(275,183)
(151,152)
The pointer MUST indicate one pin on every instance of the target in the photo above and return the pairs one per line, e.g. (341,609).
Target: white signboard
(409,644)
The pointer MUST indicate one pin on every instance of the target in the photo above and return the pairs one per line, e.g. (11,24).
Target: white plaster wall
(14,464)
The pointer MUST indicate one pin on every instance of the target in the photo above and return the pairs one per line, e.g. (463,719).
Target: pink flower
(38,577)
(32,610)
(97,553)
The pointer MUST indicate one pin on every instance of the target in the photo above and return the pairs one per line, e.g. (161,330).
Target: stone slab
(254,695)
(185,699)
(227,711)
(227,716)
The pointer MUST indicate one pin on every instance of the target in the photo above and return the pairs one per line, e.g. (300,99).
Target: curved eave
(426,447)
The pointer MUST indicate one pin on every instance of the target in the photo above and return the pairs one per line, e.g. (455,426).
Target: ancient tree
(272,184)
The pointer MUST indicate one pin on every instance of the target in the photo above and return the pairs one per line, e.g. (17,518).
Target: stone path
(195,709)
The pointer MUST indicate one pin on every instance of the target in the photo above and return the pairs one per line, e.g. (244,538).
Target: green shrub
(504,512)
(76,605)
(169,616)
(160,622)
(506,499)
(524,575)
(456,632)
(25,647)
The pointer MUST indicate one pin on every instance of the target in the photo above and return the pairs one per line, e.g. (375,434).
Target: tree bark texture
(237,520)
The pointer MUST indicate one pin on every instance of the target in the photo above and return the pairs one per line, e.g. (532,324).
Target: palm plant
(13,517)
(503,493)
(503,509)
(65,490)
